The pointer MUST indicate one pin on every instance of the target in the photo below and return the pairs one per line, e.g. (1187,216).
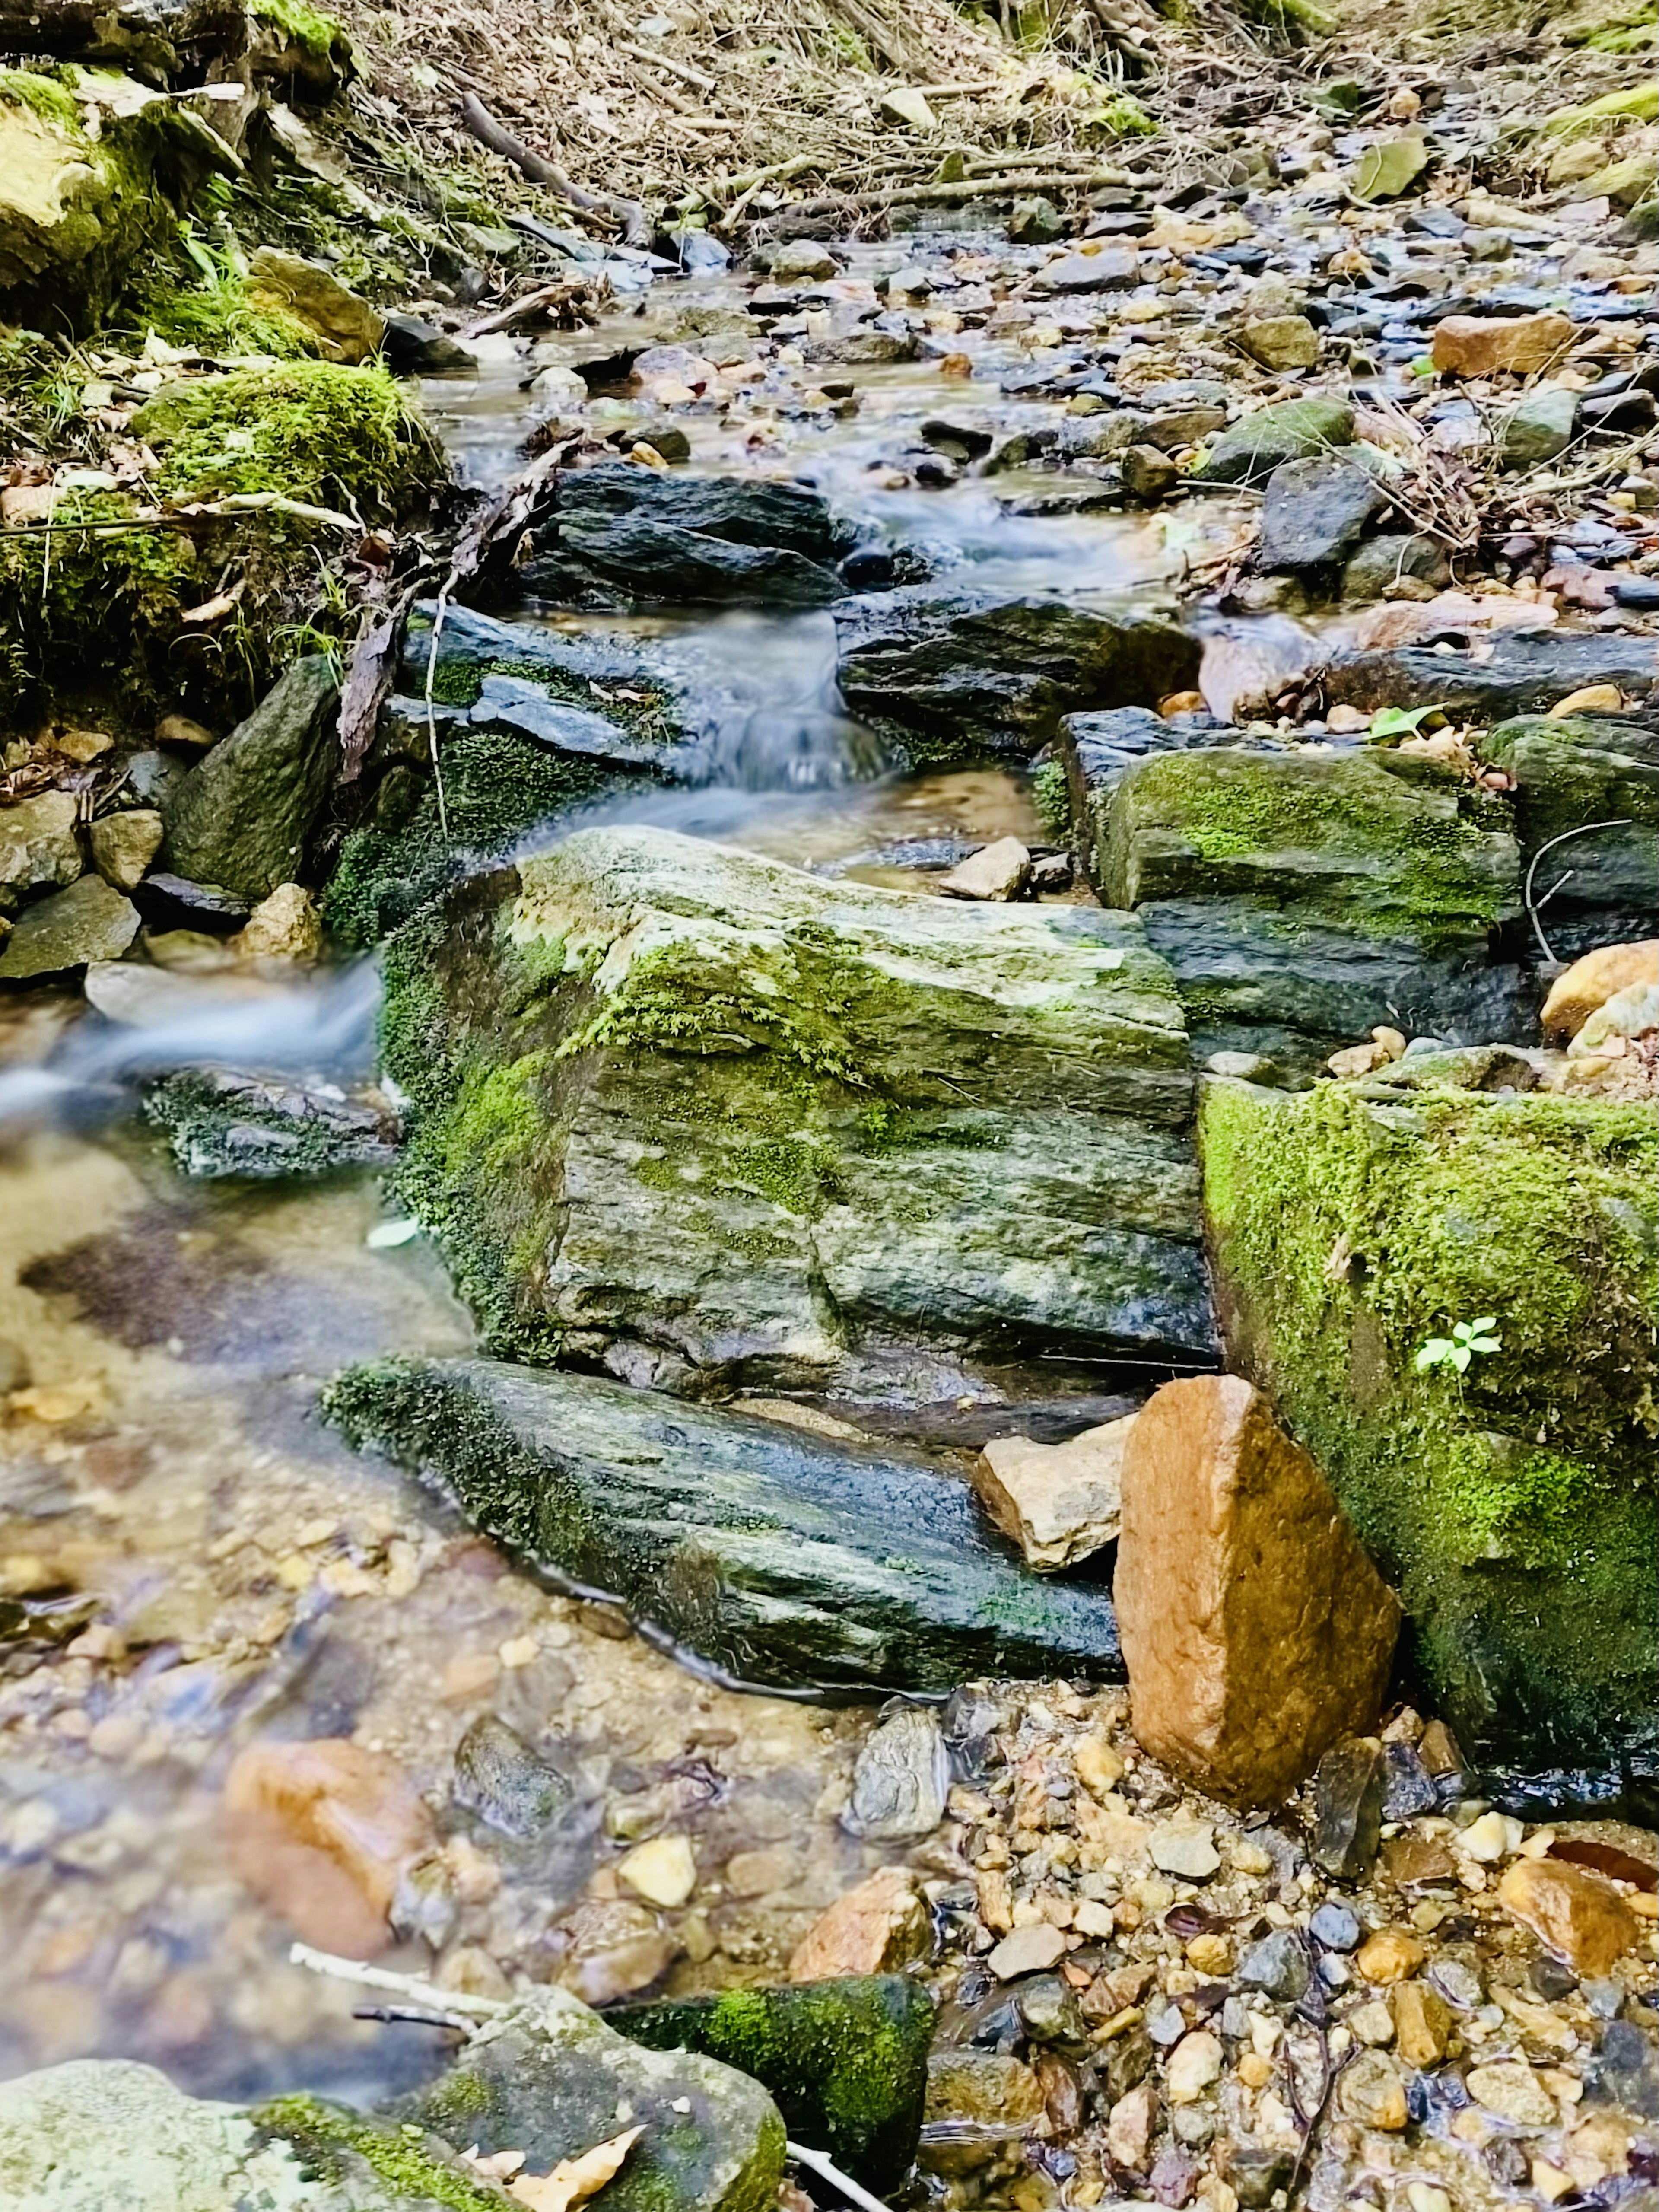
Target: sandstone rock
(880,1927)
(89,922)
(1130,2125)
(1027,1951)
(1422,2023)
(1389,1955)
(982,2086)
(1372,2091)
(189,736)
(38,843)
(1573,1912)
(803,260)
(1495,345)
(1282,342)
(286,925)
(1059,1503)
(1254,1629)
(123,845)
(294,1808)
(998,871)
(1510,2088)
(346,327)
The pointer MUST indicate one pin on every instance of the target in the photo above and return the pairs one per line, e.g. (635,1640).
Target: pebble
(663,1871)
(1372,2091)
(1195,2062)
(1027,1951)
(1511,2090)
(1389,1955)
(1185,1848)
(1334,1926)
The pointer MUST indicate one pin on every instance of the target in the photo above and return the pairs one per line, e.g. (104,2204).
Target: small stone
(1380,567)
(881,1927)
(1371,2024)
(985,2087)
(1282,342)
(123,845)
(1027,1951)
(1542,425)
(499,1777)
(1389,1955)
(1211,1956)
(1174,2176)
(1494,345)
(1572,1912)
(179,730)
(1147,473)
(38,844)
(1194,2064)
(1390,167)
(1510,2088)
(1348,1790)
(1107,269)
(1295,430)
(998,872)
(1409,1788)
(1493,1836)
(347,328)
(1422,2024)
(286,925)
(1414,1861)
(1255,1631)
(1278,1964)
(901,1779)
(663,1871)
(411,346)
(1591,981)
(1130,2126)
(1059,1503)
(758,1874)
(1185,1848)
(1335,1927)
(1048,2007)
(803,261)
(1424,2196)
(87,922)
(1373,2092)
(1035,221)
(1097,1763)
(908,104)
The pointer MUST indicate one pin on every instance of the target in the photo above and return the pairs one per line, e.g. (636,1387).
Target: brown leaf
(574,2180)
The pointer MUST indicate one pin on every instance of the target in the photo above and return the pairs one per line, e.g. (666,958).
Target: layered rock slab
(713,1123)
(1586,811)
(1512,1506)
(1255,1631)
(778,1557)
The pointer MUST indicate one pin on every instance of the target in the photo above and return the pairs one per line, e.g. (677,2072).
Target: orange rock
(1591,981)
(1572,1912)
(1422,2024)
(1490,345)
(879,1928)
(323,1831)
(1389,1955)
(1255,1631)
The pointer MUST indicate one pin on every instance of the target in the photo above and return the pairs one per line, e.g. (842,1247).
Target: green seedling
(1457,1350)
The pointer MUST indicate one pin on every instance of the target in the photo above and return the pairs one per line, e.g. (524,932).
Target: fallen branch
(546,298)
(483,126)
(413,1992)
(699,79)
(976,188)
(816,2162)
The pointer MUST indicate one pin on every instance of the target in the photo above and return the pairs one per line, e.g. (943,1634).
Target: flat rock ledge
(781,1558)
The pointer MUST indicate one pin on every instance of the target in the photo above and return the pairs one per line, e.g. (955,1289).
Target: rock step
(778,1557)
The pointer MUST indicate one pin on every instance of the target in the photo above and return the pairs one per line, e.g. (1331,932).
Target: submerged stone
(846,2060)
(713,1121)
(1512,1506)
(776,1555)
(223,1122)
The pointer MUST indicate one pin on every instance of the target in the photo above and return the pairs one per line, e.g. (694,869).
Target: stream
(165,1466)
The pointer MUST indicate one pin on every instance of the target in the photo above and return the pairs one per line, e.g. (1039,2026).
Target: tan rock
(1129,2128)
(300,1813)
(1059,1503)
(1389,1955)
(1510,2088)
(998,871)
(879,1928)
(663,1871)
(1576,1914)
(1422,2022)
(179,730)
(1591,981)
(1255,1631)
(1589,699)
(1098,1764)
(1194,2064)
(36,842)
(1372,2091)
(123,845)
(1491,345)
(1027,1951)
(349,329)
(1282,342)
(285,925)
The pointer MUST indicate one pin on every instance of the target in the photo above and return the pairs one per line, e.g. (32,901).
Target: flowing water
(203,1566)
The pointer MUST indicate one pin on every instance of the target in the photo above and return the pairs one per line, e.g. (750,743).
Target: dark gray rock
(246,816)
(1409,1789)
(410,347)
(1348,1791)
(1278,1965)
(972,673)
(1314,512)
(1570,773)
(1394,558)
(1524,675)
(782,1558)
(499,1777)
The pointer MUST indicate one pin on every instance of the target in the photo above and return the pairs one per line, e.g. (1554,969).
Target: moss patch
(331,2144)
(1516,1507)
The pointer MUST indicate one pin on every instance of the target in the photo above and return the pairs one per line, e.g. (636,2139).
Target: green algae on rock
(782,1559)
(719,1123)
(847,2060)
(1586,772)
(1514,1507)
(243,817)
(550,2079)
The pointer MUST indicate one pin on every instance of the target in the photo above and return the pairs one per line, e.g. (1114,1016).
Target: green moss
(1521,1496)
(313,431)
(44,95)
(191,291)
(1051,795)
(318,35)
(329,2140)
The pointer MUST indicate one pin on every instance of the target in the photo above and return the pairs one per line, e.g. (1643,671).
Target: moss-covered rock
(713,1120)
(1314,897)
(244,818)
(551,2080)
(220,1122)
(785,1560)
(1574,774)
(846,2060)
(1515,1506)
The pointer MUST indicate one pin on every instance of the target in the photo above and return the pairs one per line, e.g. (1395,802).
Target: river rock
(1315,511)
(1348,1793)
(410,346)
(1571,772)
(1092,269)
(346,328)
(901,1779)
(1372,2091)
(1294,430)
(767,1134)
(1059,1503)
(223,1121)
(1500,345)
(778,1556)
(1282,342)
(123,845)
(878,1927)
(37,845)
(846,2060)
(1575,1914)
(1300,898)
(551,2080)
(499,1777)
(89,922)
(1030,1950)
(245,817)
(1422,2024)
(1519,673)
(1148,473)
(1510,2088)
(1587,986)
(1254,1629)
(972,673)
(1542,425)
(998,871)
(1506,1501)
(1411,557)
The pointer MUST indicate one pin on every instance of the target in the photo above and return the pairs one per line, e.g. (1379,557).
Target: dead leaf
(574,2180)
(210,610)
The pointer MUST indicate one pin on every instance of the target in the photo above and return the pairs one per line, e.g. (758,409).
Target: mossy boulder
(1574,774)
(846,2060)
(785,1560)
(1515,1506)
(720,1123)
(1314,897)
(551,2080)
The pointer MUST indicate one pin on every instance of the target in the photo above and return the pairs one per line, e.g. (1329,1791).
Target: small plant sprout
(1467,1337)
(1402,721)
